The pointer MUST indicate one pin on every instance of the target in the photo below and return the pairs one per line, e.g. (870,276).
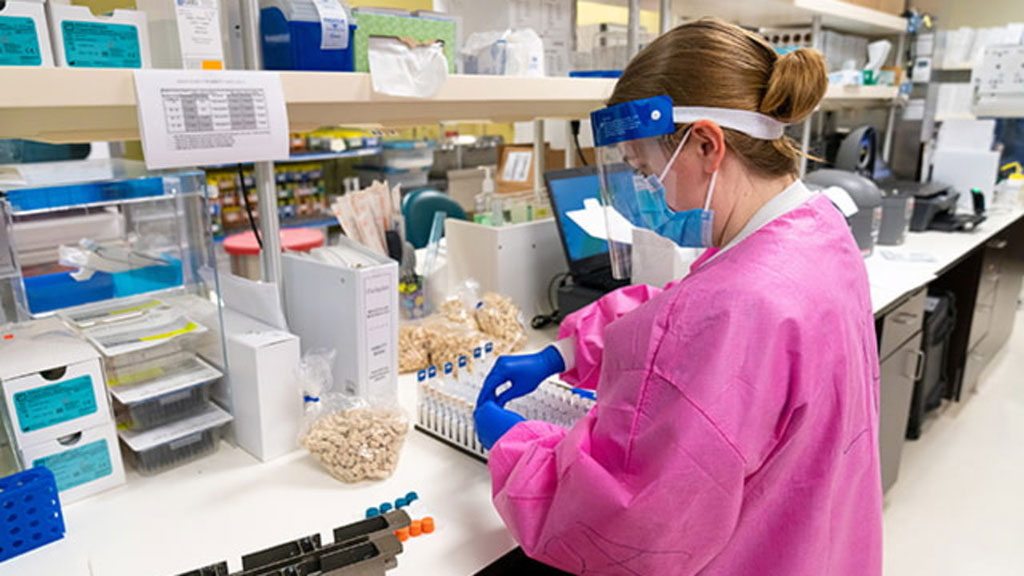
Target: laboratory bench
(230,504)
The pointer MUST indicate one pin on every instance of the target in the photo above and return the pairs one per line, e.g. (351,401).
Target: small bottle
(483,213)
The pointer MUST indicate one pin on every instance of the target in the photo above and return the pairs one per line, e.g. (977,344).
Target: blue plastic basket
(30,514)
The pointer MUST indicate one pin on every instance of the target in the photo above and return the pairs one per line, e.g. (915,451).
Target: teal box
(418,28)
(19,43)
(79,465)
(101,45)
(53,404)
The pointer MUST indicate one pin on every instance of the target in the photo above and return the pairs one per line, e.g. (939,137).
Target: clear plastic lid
(45,186)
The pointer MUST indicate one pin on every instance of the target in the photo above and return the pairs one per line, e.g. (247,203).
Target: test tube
(488,359)
(421,387)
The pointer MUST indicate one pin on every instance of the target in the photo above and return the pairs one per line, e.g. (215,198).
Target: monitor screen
(567,195)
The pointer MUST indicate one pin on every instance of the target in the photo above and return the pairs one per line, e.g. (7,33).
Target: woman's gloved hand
(492,422)
(525,372)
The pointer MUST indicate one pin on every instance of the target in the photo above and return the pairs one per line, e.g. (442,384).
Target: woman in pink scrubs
(736,425)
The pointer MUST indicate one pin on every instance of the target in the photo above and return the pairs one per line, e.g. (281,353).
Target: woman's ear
(710,144)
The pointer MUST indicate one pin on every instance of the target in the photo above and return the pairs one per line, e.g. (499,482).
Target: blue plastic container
(49,292)
(290,33)
(595,74)
(28,199)
(30,514)
(148,279)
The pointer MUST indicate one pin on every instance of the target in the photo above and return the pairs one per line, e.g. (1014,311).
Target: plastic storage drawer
(407,179)
(174,444)
(162,409)
(160,390)
(404,155)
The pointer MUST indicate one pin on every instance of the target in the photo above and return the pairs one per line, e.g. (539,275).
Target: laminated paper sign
(200,118)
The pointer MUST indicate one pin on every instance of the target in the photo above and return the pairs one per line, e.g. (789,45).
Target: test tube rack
(446,402)
(365,548)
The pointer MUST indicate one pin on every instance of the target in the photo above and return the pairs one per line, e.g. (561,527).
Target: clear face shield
(639,187)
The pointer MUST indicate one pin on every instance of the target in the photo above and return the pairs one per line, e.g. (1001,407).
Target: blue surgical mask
(689,228)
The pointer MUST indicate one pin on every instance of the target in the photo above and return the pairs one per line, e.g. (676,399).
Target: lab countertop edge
(892,280)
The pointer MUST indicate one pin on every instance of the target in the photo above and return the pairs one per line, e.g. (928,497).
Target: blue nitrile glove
(525,372)
(492,422)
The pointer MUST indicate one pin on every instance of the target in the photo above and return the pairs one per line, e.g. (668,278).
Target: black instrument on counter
(934,202)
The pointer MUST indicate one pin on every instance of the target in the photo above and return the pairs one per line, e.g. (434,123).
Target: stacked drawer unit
(902,365)
(159,385)
(995,306)
(56,410)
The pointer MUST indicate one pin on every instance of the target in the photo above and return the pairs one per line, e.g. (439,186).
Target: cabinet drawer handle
(919,369)
(998,244)
(904,318)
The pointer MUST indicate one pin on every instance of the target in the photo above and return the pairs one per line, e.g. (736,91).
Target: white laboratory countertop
(230,504)
(892,279)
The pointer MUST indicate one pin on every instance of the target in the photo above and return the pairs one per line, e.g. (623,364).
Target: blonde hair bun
(797,84)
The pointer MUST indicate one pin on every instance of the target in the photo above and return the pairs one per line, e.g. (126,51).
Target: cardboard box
(84,463)
(52,381)
(84,40)
(519,157)
(516,260)
(263,395)
(383,22)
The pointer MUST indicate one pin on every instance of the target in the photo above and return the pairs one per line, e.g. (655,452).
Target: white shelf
(78,105)
(839,96)
(73,105)
(961,67)
(836,15)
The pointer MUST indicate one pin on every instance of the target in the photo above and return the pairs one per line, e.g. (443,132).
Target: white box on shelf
(260,389)
(23,25)
(84,40)
(352,310)
(84,463)
(52,382)
(187,35)
(517,260)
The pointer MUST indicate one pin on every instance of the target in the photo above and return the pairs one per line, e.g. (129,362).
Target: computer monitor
(567,190)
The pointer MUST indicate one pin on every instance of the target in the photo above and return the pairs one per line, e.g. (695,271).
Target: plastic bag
(354,438)
(413,349)
(448,340)
(498,317)
(463,322)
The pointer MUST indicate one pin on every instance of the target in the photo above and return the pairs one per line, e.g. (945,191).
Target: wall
(597,13)
(957,13)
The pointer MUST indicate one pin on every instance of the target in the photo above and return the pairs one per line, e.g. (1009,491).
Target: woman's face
(684,182)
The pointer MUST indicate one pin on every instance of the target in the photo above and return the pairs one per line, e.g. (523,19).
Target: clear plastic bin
(404,155)
(153,451)
(160,390)
(161,410)
(407,179)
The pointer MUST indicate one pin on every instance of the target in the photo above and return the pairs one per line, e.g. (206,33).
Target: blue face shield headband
(630,134)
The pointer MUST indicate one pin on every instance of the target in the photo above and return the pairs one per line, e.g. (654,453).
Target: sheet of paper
(195,118)
(842,200)
(333,24)
(257,300)
(602,223)
(199,34)
(517,167)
